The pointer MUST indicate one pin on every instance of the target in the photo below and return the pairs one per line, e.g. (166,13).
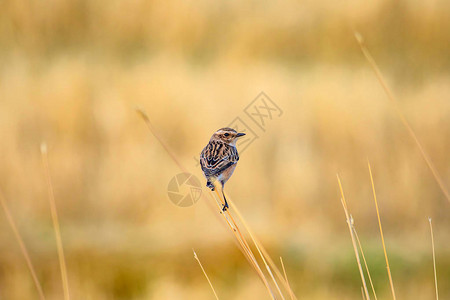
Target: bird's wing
(217,157)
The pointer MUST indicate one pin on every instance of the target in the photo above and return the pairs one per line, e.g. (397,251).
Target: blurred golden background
(72,73)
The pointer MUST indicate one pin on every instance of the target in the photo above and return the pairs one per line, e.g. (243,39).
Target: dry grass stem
(204,273)
(260,247)
(243,243)
(286,278)
(364,258)
(381,233)
(349,223)
(56,227)
(402,117)
(434,259)
(268,268)
(160,140)
(240,243)
(24,250)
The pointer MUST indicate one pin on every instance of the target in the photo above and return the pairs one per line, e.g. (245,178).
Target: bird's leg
(225,206)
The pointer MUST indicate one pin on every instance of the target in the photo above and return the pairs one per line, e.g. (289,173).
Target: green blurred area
(72,73)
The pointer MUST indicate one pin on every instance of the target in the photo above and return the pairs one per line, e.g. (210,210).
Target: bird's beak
(240,134)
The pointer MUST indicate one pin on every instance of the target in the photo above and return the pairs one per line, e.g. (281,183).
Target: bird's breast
(226,174)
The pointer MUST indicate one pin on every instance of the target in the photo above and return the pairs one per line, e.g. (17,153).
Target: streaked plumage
(219,158)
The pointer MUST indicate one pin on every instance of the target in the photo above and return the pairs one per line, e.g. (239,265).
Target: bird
(219,158)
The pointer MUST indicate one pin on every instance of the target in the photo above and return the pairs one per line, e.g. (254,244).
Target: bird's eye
(226,134)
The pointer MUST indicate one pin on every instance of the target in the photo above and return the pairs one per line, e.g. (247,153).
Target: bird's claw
(225,207)
(210,185)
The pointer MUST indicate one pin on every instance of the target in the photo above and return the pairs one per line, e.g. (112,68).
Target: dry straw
(243,242)
(413,135)
(381,234)
(434,259)
(204,273)
(400,114)
(262,251)
(364,258)
(59,246)
(349,223)
(22,247)
(286,278)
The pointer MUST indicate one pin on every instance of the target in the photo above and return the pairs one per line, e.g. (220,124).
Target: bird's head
(227,135)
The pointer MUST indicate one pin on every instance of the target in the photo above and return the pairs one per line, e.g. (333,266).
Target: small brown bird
(219,158)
